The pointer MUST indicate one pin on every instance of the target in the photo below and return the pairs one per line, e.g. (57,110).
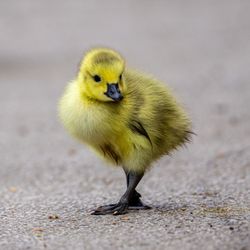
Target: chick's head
(101,75)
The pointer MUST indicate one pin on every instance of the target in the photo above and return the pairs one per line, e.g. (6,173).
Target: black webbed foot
(129,200)
(136,203)
(115,209)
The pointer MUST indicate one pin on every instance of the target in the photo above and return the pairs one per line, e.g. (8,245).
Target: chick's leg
(135,202)
(122,206)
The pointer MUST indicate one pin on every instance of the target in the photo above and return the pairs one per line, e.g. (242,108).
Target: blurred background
(199,48)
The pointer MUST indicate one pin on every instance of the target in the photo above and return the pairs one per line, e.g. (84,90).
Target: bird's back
(156,113)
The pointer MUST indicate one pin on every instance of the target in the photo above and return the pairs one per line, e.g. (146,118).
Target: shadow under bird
(127,117)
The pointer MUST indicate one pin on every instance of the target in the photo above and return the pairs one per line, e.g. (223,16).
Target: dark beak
(113,92)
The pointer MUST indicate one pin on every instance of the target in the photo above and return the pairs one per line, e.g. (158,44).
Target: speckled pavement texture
(49,183)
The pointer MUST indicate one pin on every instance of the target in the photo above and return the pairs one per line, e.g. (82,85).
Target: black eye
(120,77)
(97,78)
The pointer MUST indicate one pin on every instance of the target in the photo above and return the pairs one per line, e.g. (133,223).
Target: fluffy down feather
(145,125)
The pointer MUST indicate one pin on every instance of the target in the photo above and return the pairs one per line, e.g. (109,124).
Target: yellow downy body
(146,124)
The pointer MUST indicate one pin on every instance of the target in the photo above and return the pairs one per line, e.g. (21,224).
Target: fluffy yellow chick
(128,118)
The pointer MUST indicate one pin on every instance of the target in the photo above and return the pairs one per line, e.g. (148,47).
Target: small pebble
(53,217)
(125,218)
(37,229)
(13,189)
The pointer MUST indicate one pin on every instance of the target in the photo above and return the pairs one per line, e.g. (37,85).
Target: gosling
(129,118)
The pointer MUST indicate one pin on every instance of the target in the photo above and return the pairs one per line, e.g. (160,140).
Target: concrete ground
(49,183)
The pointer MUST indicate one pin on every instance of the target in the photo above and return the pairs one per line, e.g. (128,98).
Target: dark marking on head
(138,128)
(110,152)
(105,57)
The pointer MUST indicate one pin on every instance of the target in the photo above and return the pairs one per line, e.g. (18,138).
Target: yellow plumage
(129,118)
(146,124)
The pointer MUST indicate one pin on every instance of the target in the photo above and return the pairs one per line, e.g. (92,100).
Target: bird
(129,118)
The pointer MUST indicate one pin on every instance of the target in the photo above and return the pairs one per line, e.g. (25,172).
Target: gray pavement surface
(49,183)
